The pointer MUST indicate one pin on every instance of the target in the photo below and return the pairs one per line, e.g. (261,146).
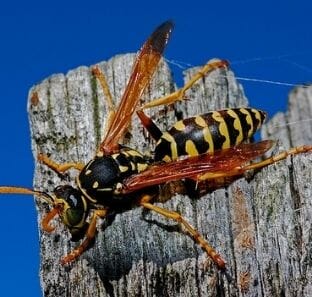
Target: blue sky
(268,40)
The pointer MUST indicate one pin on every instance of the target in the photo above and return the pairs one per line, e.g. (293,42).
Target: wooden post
(261,226)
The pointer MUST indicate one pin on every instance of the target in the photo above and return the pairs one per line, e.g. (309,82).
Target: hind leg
(179,94)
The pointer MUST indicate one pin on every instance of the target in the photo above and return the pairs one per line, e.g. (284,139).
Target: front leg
(90,234)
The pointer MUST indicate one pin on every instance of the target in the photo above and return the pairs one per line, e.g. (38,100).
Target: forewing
(227,162)
(142,72)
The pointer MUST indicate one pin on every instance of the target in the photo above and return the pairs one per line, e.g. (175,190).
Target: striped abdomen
(208,132)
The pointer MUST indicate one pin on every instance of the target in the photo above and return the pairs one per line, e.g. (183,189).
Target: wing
(223,163)
(143,69)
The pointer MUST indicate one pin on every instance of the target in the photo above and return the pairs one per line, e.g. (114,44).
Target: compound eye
(74,207)
(69,195)
(72,200)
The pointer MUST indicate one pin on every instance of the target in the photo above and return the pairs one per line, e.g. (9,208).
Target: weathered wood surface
(261,226)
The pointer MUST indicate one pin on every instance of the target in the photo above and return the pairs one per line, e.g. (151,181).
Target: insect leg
(179,94)
(239,170)
(107,94)
(279,157)
(45,223)
(59,168)
(192,231)
(90,234)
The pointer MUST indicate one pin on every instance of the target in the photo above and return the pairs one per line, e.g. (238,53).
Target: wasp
(204,148)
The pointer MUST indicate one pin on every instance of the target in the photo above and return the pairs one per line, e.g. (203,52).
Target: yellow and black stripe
(208,132)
